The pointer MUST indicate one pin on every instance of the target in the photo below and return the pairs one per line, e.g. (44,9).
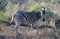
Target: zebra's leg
(16,29)
(31,30)
(31,25)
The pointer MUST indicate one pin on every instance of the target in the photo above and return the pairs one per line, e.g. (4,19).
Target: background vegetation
(9,7)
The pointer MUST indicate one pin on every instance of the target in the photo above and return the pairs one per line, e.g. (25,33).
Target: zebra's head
(43,13)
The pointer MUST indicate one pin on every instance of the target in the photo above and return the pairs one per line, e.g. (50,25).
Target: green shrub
(2,15)
(34,7)
(37,6)
(49,12)
(3,24)
(55,30)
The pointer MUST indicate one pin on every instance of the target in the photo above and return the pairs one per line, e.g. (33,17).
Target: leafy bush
(34,7)
(37,6)
(3,24)
(49,12)
(2,15)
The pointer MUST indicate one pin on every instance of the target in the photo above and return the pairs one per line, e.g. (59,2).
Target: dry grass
(27,33)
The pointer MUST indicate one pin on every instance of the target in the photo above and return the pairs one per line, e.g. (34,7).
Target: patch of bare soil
(29,33)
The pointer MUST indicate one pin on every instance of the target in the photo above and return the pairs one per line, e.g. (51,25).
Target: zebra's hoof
(17,37)
(19,34)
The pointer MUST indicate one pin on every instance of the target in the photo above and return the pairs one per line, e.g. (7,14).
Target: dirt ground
(29,33)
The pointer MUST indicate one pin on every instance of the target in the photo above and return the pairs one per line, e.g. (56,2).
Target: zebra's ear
(45,9)
(42,9)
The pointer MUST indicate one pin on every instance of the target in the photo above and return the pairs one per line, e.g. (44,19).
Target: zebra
(28,18)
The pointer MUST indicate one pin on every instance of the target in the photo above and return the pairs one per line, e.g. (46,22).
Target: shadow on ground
(2,37)
(43,32)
